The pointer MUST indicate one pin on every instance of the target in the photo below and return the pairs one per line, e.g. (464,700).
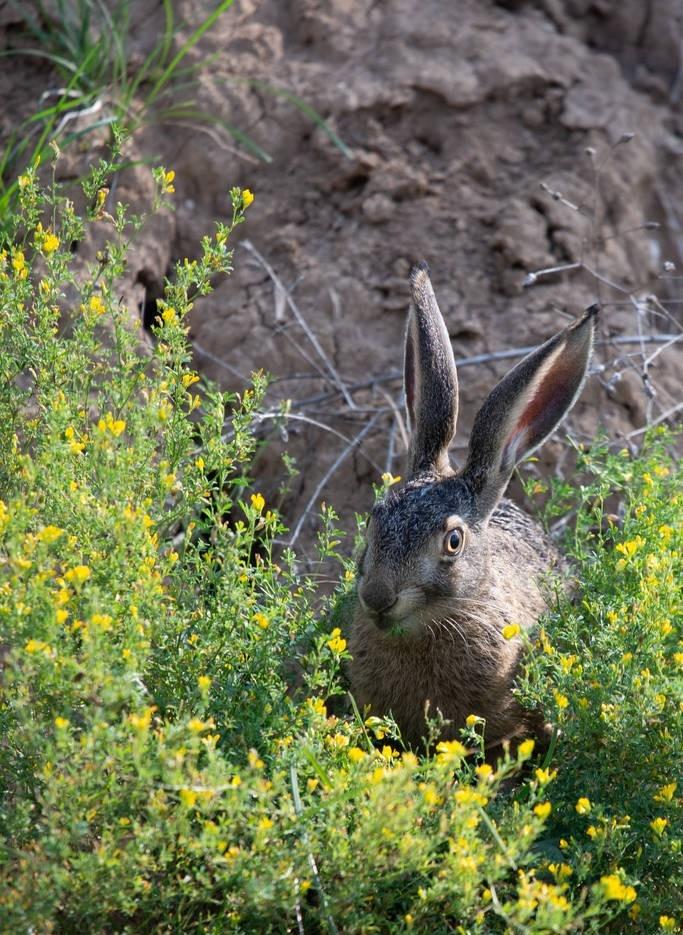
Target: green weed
(169,762)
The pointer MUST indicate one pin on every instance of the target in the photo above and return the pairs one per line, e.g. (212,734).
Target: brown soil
(454,114)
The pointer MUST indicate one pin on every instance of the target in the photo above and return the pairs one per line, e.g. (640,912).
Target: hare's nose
(376,596)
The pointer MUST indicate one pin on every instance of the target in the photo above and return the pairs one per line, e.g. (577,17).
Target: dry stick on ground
(313,499)
(265,416)
(593,242)
(510,354)
(336,379)
(202,351)
(218,138)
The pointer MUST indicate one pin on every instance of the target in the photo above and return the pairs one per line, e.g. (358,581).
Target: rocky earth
(491,139)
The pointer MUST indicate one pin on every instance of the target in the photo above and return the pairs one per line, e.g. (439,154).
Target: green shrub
(161,772)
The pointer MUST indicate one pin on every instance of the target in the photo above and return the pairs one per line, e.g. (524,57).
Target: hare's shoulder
(519,528)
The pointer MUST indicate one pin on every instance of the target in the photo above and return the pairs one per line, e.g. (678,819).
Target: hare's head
(427,542)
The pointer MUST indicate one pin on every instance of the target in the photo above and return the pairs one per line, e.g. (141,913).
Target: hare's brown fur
(448,564)
(460,662)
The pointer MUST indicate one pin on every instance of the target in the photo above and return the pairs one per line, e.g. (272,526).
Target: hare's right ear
(430,379)
(525,407)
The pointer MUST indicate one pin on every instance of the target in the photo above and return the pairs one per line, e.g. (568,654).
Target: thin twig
(336,379)
(661,418)
(298,808)
(202,351)
(510,354)
(264,416)
(328,474)
(216,137)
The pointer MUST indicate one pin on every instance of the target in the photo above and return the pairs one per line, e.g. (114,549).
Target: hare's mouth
(397,613)
(400,625)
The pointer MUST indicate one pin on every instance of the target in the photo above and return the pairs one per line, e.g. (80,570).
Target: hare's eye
(452,542)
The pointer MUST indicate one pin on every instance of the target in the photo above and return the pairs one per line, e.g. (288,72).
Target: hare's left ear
(525,407)
(430,379)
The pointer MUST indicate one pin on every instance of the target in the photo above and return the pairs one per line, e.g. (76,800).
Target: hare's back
(522,533)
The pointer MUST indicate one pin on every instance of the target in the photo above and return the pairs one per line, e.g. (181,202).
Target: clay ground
(491,139)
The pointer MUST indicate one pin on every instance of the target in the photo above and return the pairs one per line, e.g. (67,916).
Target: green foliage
(168,761)
(608,669)
(88,42)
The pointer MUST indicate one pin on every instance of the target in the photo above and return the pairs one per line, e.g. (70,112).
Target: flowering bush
(168,760)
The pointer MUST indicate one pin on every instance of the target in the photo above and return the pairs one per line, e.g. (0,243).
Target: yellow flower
(261,620)
(613,888)
(337,644)
(169,177)
(526,748)
(583,806)
(265,824)
(258,502)
(665,627)
(355,754)
(510,631)
(19,264)
(96,305)
(61,723)
(665,793)
(543,809)
(247,197)
(50,534)
(169,315)
(630,548)
(667,923)
(450,750)
(389,480)
(50,243)
(658,825)
(254,760)
(561,700)
(61,615)
(317,705)
(466,795)
(544,776)
(471,720)
(102,621)
(164,411)
(188,379)
(196,725)
(188,797)
(566,662)
(337,741)
(430,795)
(109,424)
(484,770)
(78,574)
(142,721)
(204,683)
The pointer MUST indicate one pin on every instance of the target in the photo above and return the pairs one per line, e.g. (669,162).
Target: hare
(448,563)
